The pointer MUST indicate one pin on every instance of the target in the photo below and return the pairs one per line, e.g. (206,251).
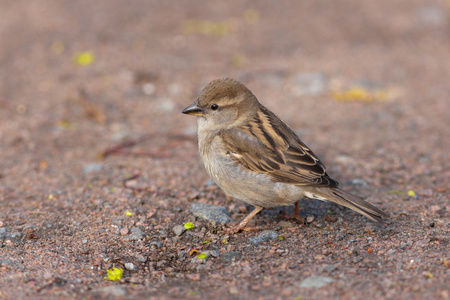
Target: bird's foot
(244,222)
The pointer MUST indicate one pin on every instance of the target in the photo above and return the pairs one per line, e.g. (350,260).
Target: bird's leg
(296,210)
(296,214)
(244,222)
(228,198)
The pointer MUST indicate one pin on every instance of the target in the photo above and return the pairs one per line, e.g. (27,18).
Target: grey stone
(130,266)
(7,262)
(141,258)
(265,236)
(4,232)
(357,181)
(213,253)
(210,212)
(432,15)
(330,268)
(316,282)
(156,244)
(136,234)
(309,84)
(91,168)
(179,229)
(210,182)
(209,254)
(181,255)
(31,226)
(111,291)
(231,255)
(15,234)
(285,224)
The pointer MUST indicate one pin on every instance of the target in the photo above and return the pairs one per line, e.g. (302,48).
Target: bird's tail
(348,200)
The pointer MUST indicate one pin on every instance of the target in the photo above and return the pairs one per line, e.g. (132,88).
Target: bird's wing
(267,145)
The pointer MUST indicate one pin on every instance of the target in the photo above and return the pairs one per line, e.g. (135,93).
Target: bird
(253,156)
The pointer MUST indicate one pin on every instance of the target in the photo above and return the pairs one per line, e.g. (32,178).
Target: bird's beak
(193,109)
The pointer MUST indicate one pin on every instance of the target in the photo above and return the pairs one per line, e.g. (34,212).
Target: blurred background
(76,76)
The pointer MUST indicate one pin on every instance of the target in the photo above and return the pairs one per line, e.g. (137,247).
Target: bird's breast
(239,182)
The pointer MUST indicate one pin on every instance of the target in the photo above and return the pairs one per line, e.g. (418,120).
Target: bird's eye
(214,106)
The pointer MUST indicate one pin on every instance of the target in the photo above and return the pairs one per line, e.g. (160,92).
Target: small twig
(135,176)
(119,148)
(133,153)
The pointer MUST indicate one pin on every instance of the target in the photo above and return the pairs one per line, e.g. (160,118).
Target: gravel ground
(365,84)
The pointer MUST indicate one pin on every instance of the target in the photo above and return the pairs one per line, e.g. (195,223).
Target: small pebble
(155,244)
(309,84)
(148,88)
(231,255)
(130,266)
(3,232)
(207,255)
(265,236)
(165,104)
(181,255)
(7,262)
(330,268)
(91,168)
(316,282)
(14,235)
(357,182)
(233,290)
(213,253)
(210,212)
(390,252)
(179,229)
(136,234)
(285,224)
(210,183)
(141,258)
(111,291)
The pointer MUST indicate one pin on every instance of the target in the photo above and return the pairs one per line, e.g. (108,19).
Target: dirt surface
(365,85)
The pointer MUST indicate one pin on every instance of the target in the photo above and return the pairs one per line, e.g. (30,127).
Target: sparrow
(253,156)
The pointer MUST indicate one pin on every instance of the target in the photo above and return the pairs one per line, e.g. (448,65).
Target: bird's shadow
(307,207)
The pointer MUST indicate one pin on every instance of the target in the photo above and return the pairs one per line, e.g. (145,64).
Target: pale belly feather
(251,187)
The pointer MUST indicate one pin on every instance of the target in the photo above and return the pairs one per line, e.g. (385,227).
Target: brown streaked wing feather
(267,145)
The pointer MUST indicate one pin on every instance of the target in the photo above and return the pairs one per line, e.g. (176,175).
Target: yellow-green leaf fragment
(206,242)
(238,61)
(224,241)
(202,256)
(395,192)
(85,58)
(360,94)
(251,16)
(128,213)
(114,275)
(205,27)
(58,47)
(280,237)
(411,193)
(189,225)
